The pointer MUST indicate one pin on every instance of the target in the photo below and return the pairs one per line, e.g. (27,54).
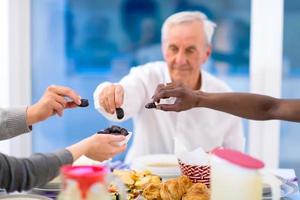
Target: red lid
(238,158)
(85,176)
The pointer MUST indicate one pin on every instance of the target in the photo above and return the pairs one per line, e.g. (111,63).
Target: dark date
(150,105)
(115,130)
(84,103)
(120,113)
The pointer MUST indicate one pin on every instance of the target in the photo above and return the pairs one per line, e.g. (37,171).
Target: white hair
(189,16)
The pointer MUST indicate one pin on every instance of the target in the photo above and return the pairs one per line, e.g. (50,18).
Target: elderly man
(186,38)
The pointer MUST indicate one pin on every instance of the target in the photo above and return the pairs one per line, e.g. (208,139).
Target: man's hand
(52,102)
(186,98)
(111,97)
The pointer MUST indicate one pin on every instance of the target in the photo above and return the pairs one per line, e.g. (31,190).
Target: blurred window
(290,137)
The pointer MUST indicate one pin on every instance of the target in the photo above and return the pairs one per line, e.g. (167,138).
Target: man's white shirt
(155,130)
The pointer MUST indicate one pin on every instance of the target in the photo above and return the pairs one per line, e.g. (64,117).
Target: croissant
(198,191)
(171,190)
(174,189)
(152,191)
(184,183)
(180,188)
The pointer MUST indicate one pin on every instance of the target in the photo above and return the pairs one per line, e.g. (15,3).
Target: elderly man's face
(185,49)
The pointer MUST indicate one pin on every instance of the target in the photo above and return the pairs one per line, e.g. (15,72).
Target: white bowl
(24,197)
(126,139)
(163,165)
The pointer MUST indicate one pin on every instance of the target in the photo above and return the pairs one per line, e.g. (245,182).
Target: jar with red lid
(87,183)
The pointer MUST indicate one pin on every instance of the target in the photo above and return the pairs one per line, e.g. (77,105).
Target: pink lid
(82,172)
(238,158)
(85,176)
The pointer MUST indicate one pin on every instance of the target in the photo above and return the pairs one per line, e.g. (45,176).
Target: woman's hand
(52,102)
(98,147)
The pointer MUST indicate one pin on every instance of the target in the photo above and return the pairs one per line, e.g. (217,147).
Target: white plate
(46,188)
(287,189)
(53,186)
(163,165)
(23,197)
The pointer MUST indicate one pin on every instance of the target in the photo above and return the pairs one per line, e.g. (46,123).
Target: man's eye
(173,49)
(190,51)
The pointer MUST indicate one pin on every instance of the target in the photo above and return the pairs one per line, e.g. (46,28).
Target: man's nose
(181,58)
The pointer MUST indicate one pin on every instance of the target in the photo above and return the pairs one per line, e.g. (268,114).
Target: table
(286,173)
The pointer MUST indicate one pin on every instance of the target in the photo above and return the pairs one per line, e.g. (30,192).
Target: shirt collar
(167,77)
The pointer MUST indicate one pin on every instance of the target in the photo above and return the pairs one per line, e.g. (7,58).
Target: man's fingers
(103,99)
(119,96)
(162,85)
(170,86)
(161,88)
(158,96)
(106,106)
(166,93)
(167,107)
(65,91)
(157,90)
(111,101)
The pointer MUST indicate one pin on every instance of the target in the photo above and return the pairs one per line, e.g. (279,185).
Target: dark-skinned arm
(251,106)
(246,105)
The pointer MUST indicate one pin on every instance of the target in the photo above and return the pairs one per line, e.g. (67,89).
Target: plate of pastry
(177,188)
(135,182)
(163,165)
(143,185)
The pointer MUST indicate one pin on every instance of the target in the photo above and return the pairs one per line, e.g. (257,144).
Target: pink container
(85,176)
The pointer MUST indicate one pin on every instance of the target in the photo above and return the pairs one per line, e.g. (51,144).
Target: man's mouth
(182,68)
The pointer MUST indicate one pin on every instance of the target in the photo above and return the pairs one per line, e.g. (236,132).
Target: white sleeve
(234,138)
(134,94)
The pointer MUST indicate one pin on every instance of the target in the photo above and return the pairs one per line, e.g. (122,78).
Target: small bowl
(196,173)
(163,165)
(126,139)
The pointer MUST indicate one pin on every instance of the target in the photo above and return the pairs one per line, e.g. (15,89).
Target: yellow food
(136,181)
(180,188)
(152,191)
(151,188)
(198,191)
